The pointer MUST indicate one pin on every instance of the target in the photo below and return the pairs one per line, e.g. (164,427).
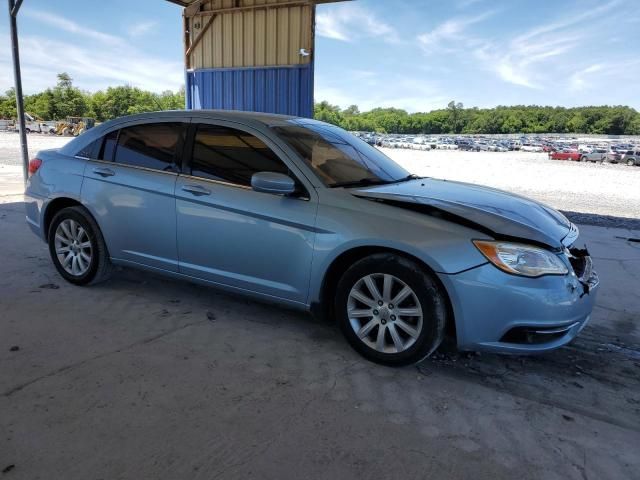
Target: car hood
(502,214)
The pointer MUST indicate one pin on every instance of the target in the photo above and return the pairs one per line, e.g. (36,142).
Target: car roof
(257,120)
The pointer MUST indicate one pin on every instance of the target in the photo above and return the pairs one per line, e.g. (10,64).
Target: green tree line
(65,100)
(455,119)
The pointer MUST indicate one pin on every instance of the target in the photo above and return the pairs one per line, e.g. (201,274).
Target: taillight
(34,165)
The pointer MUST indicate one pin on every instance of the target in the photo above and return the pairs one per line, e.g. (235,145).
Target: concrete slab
(144,377)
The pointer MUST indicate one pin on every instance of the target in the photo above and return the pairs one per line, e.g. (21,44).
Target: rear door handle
(104,172)
(196,190)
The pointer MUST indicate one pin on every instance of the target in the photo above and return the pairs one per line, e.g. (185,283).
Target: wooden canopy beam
(196,40)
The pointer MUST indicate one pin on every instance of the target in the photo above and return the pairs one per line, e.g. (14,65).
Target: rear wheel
(630,162)
(390,310)
(77,248)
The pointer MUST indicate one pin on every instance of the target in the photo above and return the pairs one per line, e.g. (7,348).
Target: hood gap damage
(436,212)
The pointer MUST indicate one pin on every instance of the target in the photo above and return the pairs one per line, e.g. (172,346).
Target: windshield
(339,158)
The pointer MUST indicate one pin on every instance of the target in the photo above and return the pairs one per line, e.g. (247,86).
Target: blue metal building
(252,55)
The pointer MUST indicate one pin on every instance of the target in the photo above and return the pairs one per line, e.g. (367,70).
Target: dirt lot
(144,377)
(605,189)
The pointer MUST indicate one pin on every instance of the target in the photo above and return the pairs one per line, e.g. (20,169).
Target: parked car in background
(612,156)
(36,125)
(565,155)
(302,213)
(585,148)
(467,145)
(596,155)
(631,157)
(527,147)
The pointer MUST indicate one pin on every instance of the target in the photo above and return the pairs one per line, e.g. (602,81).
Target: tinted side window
(230,155)
(89,150)
(108,146)
(153,145)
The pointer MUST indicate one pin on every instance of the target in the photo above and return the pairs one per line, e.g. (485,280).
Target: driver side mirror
(273,182)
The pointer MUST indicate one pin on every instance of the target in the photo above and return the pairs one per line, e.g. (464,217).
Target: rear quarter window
(90,150)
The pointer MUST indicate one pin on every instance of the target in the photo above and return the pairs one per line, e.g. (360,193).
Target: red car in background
(565,155)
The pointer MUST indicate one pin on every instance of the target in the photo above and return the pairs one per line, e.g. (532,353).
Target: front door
(233,235)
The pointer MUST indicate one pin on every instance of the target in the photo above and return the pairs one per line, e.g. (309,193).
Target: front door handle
(104,172)
(196,190)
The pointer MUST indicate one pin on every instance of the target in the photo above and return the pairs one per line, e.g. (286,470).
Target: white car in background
(420,143)
(527,147)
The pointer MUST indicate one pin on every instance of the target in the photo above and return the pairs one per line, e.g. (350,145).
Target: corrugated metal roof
(272,33)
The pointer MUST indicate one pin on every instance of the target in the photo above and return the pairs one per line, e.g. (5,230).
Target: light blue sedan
(303,213)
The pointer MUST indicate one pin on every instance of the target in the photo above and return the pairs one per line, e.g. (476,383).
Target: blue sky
(412,54)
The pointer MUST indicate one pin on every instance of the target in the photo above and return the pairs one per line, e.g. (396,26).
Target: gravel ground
(606,190)
(10,145)
(147,377)
(596,194)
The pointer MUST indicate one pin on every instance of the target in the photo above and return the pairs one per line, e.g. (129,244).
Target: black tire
(428,291)
(583,159)
(99,266)
(630,162)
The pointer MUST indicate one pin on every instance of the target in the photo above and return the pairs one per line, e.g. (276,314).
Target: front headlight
(521,259)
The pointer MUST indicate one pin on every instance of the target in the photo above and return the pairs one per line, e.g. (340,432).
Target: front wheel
(391,310)
(77,247)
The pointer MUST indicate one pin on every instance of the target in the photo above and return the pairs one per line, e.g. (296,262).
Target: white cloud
(578,80)
(348,21)
(95,60)
(141,28)
(400,91)
(448,35)
(532,59)
(70,26)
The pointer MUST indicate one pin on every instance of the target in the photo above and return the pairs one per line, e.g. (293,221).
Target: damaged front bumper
(503,313)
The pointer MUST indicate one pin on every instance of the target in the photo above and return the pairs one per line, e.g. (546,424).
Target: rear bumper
(503,313)
(34,206)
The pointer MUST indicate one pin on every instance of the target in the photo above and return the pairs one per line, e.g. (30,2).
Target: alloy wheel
(73,247)
(385,313)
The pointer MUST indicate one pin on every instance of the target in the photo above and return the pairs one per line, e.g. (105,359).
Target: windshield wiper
(412,176)
(363,182)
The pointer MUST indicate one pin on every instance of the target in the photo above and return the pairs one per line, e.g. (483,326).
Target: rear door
(129,188)
(232,235)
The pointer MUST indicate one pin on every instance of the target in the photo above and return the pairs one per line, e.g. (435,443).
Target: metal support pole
(13,13)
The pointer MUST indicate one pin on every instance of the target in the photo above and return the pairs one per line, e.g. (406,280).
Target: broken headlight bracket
(583,267)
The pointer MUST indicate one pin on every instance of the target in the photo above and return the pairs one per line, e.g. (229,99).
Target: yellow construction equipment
(74,126)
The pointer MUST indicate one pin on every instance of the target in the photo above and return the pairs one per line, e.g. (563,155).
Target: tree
(66,100)
(351,110)
(455,109)
(8,104)
(64,80)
